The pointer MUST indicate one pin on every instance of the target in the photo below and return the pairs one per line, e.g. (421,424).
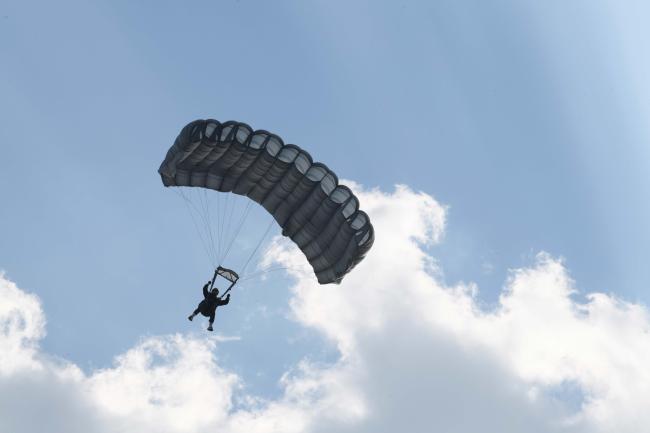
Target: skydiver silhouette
(208,306)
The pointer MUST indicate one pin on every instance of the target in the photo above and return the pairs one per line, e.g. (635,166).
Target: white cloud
(22,325)
(415,355)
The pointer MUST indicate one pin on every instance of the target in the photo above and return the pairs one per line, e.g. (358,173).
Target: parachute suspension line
(229,238)
(209,206)
(205,214)
(209,213)
(218,212)
(215,227)
(243,271)
(220,222)
(220,219)
(268,270)
(199,205)
(217,240)
(189,205)
(234,237)
(224,223)
(206,224)
(205,207)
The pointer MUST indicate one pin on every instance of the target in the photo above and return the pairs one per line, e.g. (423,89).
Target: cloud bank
(414,354)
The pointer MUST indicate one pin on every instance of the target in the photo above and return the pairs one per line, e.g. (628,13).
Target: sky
(500,149)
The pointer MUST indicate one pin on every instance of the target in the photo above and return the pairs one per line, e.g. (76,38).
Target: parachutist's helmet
(215,291)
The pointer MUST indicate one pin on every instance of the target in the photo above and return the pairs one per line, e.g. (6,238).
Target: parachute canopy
(320,216)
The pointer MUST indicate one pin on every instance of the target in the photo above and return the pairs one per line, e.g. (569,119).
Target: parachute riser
(232,284)
(214,277)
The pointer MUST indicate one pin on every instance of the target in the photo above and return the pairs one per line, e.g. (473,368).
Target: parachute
(304,197)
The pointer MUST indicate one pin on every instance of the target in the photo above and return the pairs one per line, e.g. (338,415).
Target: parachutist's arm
(206,293)
(225,301)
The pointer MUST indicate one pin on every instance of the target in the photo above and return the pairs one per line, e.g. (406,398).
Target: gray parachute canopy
(304,197)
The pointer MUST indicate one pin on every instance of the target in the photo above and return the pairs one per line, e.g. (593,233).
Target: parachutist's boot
(210,327)
(190,317)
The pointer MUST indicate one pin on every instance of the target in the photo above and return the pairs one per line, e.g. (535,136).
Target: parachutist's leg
(191,316)
(211,321)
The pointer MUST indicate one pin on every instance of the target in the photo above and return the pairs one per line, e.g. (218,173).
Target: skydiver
(208,306)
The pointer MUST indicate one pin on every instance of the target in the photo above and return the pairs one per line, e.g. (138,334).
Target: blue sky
(527,121)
